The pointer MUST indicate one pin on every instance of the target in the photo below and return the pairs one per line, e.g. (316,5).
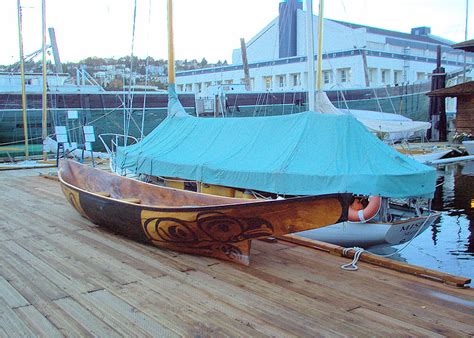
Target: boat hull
(469,145)
(349,234)
(220,227)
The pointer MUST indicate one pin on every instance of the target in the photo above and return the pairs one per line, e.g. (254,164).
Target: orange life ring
(367,213)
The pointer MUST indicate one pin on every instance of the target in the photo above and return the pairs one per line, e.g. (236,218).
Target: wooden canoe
(190,222)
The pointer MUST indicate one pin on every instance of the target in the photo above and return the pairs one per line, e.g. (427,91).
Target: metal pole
(320,44)
(22,71)
(310,54)
(44,125)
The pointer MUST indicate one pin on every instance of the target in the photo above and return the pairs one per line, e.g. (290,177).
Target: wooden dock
(61,275)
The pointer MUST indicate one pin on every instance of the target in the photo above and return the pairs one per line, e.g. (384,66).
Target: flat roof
(462,89)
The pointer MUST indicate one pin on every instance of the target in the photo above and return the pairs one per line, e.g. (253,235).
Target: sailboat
(191,222)
(319,153)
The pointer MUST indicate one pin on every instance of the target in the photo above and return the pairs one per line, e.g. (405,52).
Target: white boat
(404,226)
(469,145)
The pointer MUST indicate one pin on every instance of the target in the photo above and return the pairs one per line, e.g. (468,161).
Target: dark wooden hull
(191,222)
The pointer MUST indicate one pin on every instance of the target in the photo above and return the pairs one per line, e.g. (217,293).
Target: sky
(203,28)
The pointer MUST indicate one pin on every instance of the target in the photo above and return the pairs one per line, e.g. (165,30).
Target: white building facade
(354,56)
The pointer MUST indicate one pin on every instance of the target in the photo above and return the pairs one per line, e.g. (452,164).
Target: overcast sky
(203,28)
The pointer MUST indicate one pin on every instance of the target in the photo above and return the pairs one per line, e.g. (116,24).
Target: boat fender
(367,213)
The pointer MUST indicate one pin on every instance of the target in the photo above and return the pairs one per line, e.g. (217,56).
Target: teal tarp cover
(300,154)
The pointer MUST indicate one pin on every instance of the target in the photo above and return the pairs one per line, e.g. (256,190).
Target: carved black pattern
(173,230)
(218,227)
(227,229)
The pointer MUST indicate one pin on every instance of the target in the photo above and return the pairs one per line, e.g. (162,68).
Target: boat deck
(62,275)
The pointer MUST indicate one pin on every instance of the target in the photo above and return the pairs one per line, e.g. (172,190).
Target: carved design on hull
(212,234)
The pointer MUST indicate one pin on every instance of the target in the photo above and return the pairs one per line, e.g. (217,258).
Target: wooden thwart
(103,193)
(131,200)
(336,250)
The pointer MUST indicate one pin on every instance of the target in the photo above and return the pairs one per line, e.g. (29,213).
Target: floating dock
(62,275)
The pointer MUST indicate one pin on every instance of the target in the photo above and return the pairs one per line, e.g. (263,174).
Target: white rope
(352,266)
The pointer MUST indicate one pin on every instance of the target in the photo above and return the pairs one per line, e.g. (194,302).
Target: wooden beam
(366,257)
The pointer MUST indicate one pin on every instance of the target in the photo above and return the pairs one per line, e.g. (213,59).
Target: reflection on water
(448,245)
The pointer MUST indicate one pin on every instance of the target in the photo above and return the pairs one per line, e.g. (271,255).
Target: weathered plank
(83,281)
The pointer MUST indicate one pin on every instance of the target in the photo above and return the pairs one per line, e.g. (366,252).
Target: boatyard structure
(354,56)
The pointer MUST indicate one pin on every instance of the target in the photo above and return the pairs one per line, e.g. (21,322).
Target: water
(448,246)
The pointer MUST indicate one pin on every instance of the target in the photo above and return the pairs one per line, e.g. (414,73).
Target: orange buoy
(357,212)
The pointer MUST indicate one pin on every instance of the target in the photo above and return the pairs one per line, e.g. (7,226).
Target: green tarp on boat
(301,154)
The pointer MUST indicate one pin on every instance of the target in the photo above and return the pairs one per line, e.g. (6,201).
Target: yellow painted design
(472,204)
(73,197)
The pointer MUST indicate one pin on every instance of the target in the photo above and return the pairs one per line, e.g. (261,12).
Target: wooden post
(245,64)
(171,70)
(22,71)
(44,120)
(363,53)
(54,46)
(310,54)
(437,105)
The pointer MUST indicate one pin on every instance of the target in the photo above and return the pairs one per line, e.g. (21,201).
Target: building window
(385,75)
(327,76)
(344,75)
(397,76)
(420,76)
(207,84)
(282,81)
(267,82)
(229,81)
(295,80)
(373,75)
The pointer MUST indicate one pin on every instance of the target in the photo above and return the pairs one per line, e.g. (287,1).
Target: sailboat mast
(22,72)
(171,70)
(310,54)
(320,45)
(465,39)
(44,120)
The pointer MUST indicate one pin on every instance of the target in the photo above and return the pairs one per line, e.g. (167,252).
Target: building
(464,93)
(354,56)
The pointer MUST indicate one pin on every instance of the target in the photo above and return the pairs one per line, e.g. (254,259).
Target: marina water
(448,245)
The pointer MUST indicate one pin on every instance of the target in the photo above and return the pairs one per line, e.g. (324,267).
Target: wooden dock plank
(10,295)
(11,323)
(57,277)
(83,281)
(95,326)
(405,305)
(122,316)
(33,286)
(37,323)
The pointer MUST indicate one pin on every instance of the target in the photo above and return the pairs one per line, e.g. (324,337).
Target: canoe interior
(122,188)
